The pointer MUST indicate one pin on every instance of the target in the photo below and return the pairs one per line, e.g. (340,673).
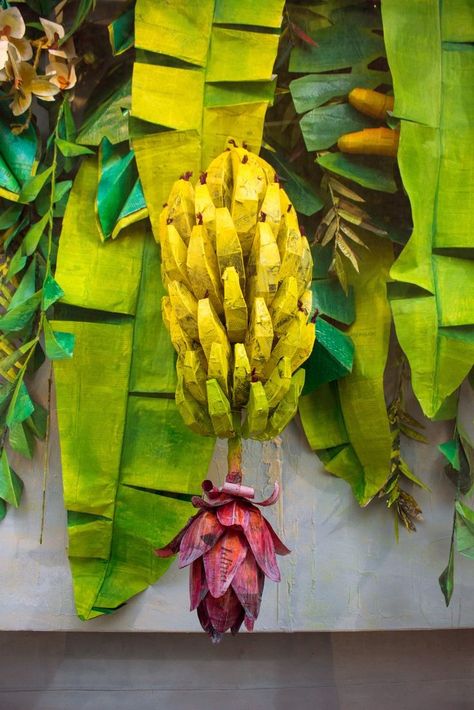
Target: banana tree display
(227,218)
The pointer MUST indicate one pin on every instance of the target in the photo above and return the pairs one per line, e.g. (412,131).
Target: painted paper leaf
(17,155)
(107,116)
(346,422)
(207,95)
(120,201)
(433,297)
(121,31)
(129,463)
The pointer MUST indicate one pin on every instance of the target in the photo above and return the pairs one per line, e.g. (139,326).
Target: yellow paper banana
(237,270)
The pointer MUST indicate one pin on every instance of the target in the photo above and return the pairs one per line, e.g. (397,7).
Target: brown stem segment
(234,460)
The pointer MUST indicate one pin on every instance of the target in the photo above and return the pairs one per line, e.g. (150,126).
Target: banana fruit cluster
(237,271)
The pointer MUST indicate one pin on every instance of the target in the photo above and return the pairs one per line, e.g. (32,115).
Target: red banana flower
(231,548)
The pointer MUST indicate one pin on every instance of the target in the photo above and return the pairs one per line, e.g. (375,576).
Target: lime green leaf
(52,292)
(33,185)
(71,150)
(20,316)
(17,263)
(431,295)
(33,235)
(57,345)
(61,189)
(450,450)
(21,439)
(374,174)
(11,486)
(411,476)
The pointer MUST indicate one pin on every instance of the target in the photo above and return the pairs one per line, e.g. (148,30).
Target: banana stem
(234,460)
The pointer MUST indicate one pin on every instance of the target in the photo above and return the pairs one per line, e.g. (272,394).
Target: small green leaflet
(26,288)
(52,292)
(464,530)
(21,405)
(3,509)
(17,263)
(71,150)
(21,439)
(446,578)
(450,450)
(9,215)
(11,486)
(57,345)
(19,317)
(38,422)
(85,7)
(32,187)
(33,235)
(7,362)
(373,174)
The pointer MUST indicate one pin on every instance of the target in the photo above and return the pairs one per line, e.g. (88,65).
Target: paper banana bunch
(237,271)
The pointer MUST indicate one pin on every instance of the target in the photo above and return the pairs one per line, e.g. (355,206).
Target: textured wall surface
(366,671)
(346,571)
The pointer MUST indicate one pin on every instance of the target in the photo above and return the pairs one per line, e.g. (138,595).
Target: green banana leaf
(199,78)
(346,422)
(433,297)
(129,463)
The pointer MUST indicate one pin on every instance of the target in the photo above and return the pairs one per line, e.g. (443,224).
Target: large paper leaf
(346,422)
(433,299)
(129,463)
(214,82)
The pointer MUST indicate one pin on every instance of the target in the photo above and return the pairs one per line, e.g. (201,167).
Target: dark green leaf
(330,300)
(303,196)
(71,150)
(17,263)
(339,47)
(33,185)
(121,32)
(19,317)
(3,509)
(57,345)
(84,8)
(107,118)
(332,356)
(52,292)
(9,215)
(375,175)
(21,405)
(17,154)
(21,440)
(450,450)
(11,486)
(38,421)
(33,235)
(446,578)
(61,189)
(323,126)
(314,90)
(464,530)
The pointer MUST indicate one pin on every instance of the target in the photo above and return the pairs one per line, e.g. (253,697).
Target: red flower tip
(230,548)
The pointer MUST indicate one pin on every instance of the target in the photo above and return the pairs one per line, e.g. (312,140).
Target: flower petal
(23,48)
(12,19)
(249,623)
(248,585)
(43,88)
(261,543)
(172,548)
(224,612)
(233,514)
(197,583)
(203,534)
(280,547)
(21,102)
(223,560)
(203,617)
(234,629)
(52,30)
